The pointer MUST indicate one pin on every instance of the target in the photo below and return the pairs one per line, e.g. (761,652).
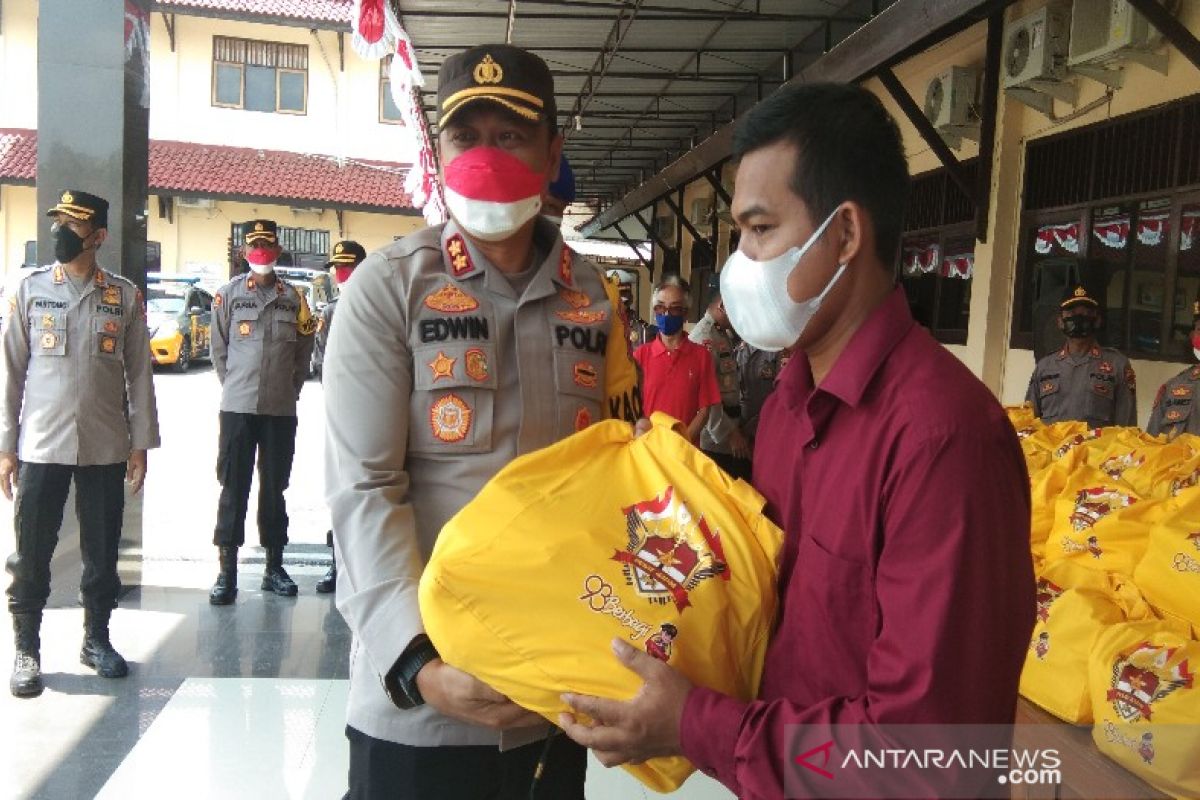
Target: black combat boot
(328,583)
(97,651)
(224,590)
(26,680)
(276,579)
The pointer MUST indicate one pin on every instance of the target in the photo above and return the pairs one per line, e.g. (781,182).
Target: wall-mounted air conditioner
(1035,58)
(1104,32)
(950,105)
(195,202)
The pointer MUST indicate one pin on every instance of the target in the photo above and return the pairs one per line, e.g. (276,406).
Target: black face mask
(1079,327)
(67,244)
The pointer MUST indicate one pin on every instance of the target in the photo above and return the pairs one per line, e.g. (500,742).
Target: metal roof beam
(570,48)
(659,14)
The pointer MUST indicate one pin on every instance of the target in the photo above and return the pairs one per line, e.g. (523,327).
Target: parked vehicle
(179,315)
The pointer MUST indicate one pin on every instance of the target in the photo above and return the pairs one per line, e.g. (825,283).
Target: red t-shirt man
(678,377)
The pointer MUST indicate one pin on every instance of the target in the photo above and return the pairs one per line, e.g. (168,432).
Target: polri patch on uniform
(477,365)
(110,326)
(1174,415)
(451,300)
(49,341)
(460,257)
(442,366)
(574,298)
(564,266)
(108,344)
(450,418)
(111,296)
(584,374)
(583,418)
(245,328)
(582,317)
(48,321)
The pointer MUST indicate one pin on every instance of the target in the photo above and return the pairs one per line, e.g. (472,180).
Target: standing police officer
(1083,381)
(457,349)
(78,404)
(262,339)
(1174,405)
(722,438)
(347,255)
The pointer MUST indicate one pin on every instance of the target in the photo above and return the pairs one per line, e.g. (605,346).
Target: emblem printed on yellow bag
(1093,504)
(1041,645)
(1187,482)
(1045,595)
(669,552)
(660,644)
(1115,466)
(1143,677)
(450,418)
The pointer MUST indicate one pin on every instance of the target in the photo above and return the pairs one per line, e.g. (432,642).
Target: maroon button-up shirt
(906,583)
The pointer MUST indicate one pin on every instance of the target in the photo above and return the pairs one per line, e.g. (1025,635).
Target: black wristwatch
(401,680)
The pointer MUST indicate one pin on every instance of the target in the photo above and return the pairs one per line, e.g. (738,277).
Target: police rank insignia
(575,299)
(48,320)
(582,316)
(442,366)
(108,344)
(49,341)
(111,296)
(669,551)
(564,265)
(477,365)
(450,418)
(451,300)
(460,258)
(244,328)
(584,374)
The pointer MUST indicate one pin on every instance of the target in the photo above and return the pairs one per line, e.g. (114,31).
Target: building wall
(18,64)
(18,224)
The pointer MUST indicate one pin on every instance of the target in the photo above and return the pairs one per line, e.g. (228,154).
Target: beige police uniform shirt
(262,339)
(720,426)
(71,358)
(321,339)
(438,374)
(1174,406)
(1097,387)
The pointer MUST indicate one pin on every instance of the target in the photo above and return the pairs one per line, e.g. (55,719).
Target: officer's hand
(457,694)
(135,471)
(8,473)
(739,446)
(643,425)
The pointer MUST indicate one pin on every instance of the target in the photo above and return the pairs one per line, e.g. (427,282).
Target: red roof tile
(18,154)
(243,172)
(338,11)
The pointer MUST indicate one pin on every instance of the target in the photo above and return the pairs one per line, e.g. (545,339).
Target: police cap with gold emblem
(499,73)
(81,206)
(261,231)
(1077,296)
(347,253)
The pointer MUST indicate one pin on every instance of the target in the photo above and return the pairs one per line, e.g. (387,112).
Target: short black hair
(848,148)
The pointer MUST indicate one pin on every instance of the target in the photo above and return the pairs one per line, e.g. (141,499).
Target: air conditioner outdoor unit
(950,105)
(1035,58)
(1107,31)
(195,202)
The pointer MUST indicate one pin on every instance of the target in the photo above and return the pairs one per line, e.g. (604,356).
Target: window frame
(943,233)
(385,91)
(241,67)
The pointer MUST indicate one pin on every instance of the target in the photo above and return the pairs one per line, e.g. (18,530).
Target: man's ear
(854,228)
(101,235)
(1059,322)
(556,148)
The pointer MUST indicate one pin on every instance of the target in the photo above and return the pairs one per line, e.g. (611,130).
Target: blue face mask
(667,324)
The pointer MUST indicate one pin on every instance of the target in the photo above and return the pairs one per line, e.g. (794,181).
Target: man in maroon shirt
(678,376)
(905,584)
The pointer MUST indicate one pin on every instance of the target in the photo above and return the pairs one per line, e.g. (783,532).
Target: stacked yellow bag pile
(1115,538)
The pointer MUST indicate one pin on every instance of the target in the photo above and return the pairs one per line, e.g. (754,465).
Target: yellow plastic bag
(1074,604)
(602,536)
(1169,572)
(1147,704)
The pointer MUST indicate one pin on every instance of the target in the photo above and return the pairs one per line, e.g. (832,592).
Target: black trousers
(41,497)
(382,770)
(242,437)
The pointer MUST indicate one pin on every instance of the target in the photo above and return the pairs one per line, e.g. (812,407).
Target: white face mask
(1196,353)
(491,222)
(261,269)
(757,301)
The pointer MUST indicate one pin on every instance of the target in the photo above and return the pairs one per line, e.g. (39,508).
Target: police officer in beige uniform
(1174,405)
(347,255)
(262,339)
(457,349)
(78,404)
(722,438)
(1083,381)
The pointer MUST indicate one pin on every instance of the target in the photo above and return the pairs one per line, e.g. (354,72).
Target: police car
(179,315)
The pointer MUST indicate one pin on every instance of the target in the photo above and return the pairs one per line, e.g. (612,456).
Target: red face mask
(260,257)
(492,193)
(342,274)
(1196,342)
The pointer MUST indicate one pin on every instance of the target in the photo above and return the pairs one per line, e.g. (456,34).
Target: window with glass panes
(937,254)
(1118,203)
(260,76)
(388,112)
